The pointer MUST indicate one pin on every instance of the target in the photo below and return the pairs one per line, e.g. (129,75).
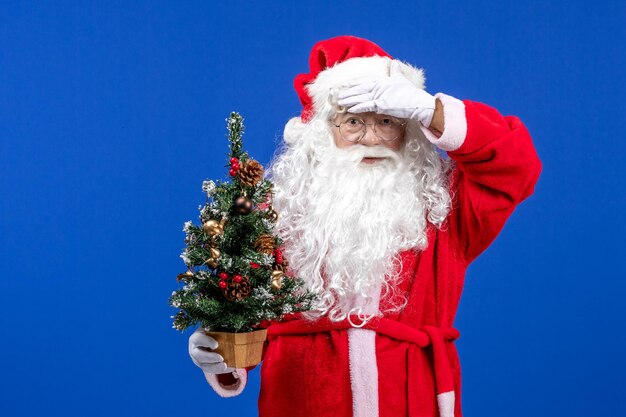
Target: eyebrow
(376,116)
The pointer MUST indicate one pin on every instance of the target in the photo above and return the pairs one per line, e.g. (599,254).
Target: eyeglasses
(386,128)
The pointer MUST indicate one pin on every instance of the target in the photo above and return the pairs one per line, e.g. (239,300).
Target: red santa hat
(338,60)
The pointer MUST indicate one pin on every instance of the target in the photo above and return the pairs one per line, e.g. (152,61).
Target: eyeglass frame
(403,124)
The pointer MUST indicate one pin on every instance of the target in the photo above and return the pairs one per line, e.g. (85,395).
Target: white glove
(395,96)
(199,350)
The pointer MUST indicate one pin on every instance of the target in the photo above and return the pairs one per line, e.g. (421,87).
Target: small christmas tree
(236,274)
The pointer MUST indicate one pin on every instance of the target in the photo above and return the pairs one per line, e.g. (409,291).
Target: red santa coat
(406,364)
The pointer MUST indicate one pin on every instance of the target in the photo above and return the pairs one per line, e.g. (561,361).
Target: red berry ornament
(279,256)
(223,275)
(222,284)
(232,172)
(254,265)
(237,278)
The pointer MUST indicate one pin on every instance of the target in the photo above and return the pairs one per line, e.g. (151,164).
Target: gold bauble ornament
(209,226)
(215,253)
(277,284)
(273,215)
(185,275)
(214,228)
(277,274)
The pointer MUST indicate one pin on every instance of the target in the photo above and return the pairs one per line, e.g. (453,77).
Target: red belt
(417,338)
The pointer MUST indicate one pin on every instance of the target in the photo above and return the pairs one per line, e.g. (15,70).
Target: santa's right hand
(200,346)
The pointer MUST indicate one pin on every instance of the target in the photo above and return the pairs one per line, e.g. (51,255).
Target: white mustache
(358,152)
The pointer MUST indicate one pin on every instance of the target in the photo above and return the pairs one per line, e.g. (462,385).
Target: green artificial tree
(236,274)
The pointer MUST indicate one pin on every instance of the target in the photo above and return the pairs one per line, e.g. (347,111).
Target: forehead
(364,115)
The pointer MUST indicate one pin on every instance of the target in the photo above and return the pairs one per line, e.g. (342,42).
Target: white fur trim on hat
(358,68)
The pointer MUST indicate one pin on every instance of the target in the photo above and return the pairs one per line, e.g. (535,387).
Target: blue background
(112,113)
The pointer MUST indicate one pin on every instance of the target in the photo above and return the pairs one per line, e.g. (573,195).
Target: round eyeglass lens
(352,129)
(389,129)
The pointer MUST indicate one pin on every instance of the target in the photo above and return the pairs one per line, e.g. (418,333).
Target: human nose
(370,137)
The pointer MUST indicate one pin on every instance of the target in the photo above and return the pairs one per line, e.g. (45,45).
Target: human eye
(389,122)
(353,121)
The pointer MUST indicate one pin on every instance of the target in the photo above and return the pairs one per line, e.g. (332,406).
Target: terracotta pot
(240,350)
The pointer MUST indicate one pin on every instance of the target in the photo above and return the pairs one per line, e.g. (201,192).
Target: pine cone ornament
(236,291)
(250,173)
(264,244)
(281,267)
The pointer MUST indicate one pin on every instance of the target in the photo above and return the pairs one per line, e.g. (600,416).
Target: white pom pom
(293,130)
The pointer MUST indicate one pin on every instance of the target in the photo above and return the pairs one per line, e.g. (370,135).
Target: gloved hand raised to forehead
(395,96)
(200,346)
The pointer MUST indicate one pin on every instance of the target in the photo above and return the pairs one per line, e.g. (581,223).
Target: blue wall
(112,113)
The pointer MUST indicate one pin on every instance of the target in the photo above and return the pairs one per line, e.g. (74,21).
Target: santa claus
(382,226)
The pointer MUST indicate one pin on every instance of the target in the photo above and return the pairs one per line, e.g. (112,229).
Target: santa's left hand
(395,96)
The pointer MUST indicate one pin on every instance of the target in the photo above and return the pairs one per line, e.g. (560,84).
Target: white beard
(344,222)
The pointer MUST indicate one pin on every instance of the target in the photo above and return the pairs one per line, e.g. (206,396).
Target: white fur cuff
(455,124)
(228,391)
(445,402)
